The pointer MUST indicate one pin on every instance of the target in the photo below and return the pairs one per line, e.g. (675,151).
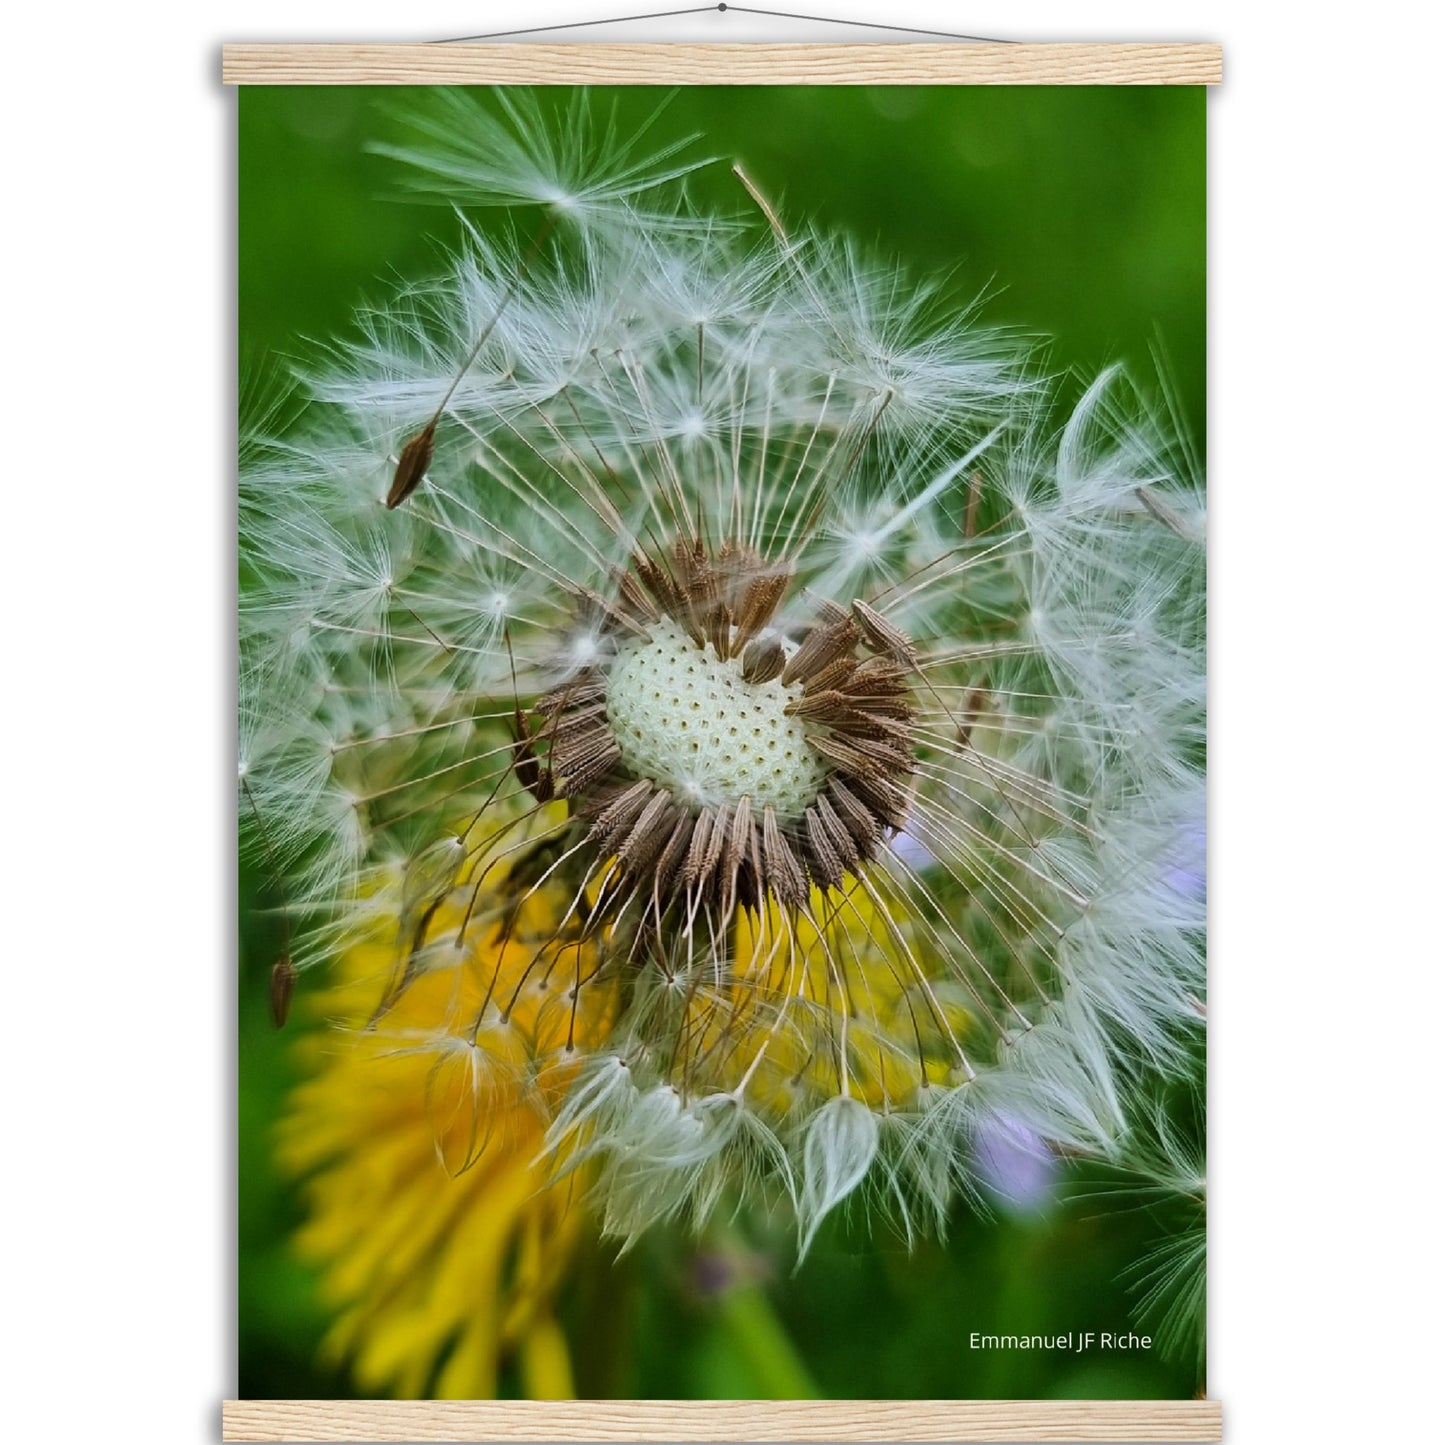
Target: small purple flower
(1185,866)
(914,854)
(1016,1165)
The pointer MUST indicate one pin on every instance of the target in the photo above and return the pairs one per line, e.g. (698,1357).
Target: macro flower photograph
(721,742)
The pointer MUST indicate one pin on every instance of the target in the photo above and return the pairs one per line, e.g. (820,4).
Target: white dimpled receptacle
(685,719)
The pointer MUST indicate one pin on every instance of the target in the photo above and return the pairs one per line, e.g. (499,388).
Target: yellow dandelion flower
(440,1239)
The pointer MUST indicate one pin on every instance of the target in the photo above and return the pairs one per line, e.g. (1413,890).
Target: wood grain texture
(746,64)
(688,1420)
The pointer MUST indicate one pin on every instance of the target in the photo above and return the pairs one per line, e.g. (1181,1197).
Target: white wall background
(115,1046)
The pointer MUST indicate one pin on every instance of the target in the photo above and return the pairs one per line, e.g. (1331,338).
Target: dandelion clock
(721,749)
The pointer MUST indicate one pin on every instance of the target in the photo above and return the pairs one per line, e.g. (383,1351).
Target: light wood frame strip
(723,1420)
(731,64)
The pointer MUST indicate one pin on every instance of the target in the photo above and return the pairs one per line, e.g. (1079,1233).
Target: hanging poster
(722,681)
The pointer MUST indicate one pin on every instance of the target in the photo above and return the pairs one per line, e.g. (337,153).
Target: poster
(722,743)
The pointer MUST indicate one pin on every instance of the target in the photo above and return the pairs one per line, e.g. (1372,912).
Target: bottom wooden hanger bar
(741,1420)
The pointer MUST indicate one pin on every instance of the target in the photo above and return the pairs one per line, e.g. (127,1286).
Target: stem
(747,1317)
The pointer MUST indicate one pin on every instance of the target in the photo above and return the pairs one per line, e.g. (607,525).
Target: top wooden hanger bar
(732,64)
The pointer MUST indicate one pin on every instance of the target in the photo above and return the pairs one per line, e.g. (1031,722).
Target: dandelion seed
(282,986)
(738,563)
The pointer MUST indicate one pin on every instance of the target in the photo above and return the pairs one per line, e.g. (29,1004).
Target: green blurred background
(1080,211)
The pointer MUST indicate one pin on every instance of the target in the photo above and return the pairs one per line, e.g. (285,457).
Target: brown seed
(692,563)
(784,876)
(882,795)
(411,466)
(649,834)
(864,723)
(602,797)
(844,753)
(609,839)
(590,769)
(620,814)
(573,738)
(697,584)
(832,825)
(674,852)
(589,715)
(741,842)
(581,753)
(759,601)
(763,660)
(585,688)
(659,582)
(707,846)
(891,754)
(972,711)
(837,674)
(697,848)
(631,597)
(820,647)
(717,625)
(740,853)
(704,583)
(882,636)
(1162,513)
(283,985)
(880,704)
(820,706)
(829,611)
(879,672)
(525,762)
(826,862)
(595,612)
(855,815)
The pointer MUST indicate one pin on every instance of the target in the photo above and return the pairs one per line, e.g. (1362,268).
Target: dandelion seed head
(755,734)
